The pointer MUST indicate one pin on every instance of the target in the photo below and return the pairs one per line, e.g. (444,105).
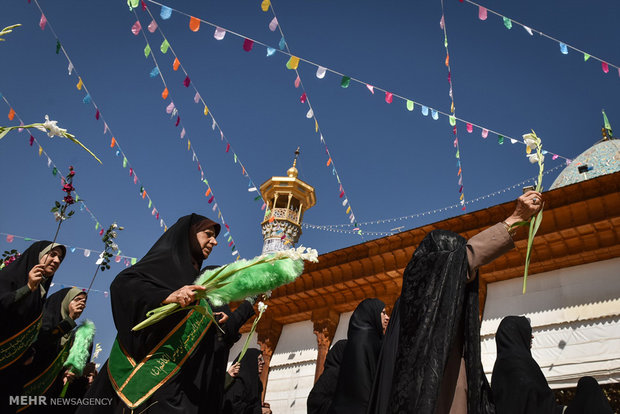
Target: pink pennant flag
(196,97)
(605,67)
(456,142)
(97,115)
(105,128)
(135,29)
(170,107)
(219,33)
(485,133)
(101,232)
(470,128)
(371,88)
(302,99)
(42,22)
(135,179)
(442,22)
(117,259)
(227,147)
(152,26)
(297,82)
(389,97)
(247,44)
(482,13)
(555,157)
(130,171)
(9,238)
(273,25)
(186,82)
(183,133)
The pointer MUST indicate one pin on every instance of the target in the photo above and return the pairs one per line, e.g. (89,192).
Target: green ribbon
(14,347)
(135,382)
(41,383)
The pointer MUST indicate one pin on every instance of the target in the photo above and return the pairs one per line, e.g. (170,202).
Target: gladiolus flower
(534,158)
(531,141)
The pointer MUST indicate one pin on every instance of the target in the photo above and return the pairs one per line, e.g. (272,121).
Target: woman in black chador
(520,387)
(23,289)
(322,394)
(162,368)
(244,394)
(359,361)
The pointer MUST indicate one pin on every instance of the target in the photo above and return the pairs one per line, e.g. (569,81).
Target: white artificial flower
(531,141)
(58,216)
(114,247)
(534,158)
(97,351)
(261,307)
(100,260)
(51,128)
(113,234)
(114,225)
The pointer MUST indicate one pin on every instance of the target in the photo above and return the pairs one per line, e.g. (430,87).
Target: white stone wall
(575,316)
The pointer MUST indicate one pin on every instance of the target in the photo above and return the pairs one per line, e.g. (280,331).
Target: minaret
(287,199)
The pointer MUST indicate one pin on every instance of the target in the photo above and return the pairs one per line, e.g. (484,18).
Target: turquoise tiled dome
(603,157)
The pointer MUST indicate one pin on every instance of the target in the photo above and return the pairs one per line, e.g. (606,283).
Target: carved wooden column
(325,323)
(268,333)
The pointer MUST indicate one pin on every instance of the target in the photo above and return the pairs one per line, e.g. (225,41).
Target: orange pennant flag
(11,114)
(164,94)
(112,142)
(176,64)
(194,24)
(79,84)
(447,60)
(208,192)
(329,161)
(144,194)
(206,111)
(459,173)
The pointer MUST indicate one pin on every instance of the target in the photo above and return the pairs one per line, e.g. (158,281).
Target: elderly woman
(54,342)
(162,368)
(23,289)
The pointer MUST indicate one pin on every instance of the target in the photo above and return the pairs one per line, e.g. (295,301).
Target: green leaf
(54,209)
(3,132)
(57,204)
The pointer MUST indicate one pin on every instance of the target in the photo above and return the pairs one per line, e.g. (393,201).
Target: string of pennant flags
(274,24)
(88,99)
(452,119)
(174,113)
(51,164)
(127,260)
(332,227)
(345,81)
(508,22)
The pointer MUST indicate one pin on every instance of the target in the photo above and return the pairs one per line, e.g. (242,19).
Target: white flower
(261,307)
(113,234)
(100,260)
(114,225)
(114,247)
(534,158)
(51,128)
(58,216)
(97,351)
(531,141)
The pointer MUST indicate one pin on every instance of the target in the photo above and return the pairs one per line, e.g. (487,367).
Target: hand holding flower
(183,296)
(528,204)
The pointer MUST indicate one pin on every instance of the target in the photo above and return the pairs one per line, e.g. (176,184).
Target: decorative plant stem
(261,309)
(103,262)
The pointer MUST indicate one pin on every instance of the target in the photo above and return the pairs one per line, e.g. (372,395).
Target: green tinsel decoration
(79,353)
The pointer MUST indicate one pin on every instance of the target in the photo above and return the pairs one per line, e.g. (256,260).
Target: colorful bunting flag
(292,63)
(247,44)
(219,33)
(194,24)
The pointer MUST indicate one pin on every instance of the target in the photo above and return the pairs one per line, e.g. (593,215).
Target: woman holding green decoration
(161,368)
(54,342)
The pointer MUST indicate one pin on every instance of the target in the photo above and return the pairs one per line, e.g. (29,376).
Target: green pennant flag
(147,50)
(606,121)
(54,171)
(345,82)
(507,23)
(500,139)
(57,46)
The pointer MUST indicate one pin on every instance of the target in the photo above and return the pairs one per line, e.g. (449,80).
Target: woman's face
(51,261)
(261,364)
(385,318)
(78,304)
(206,241)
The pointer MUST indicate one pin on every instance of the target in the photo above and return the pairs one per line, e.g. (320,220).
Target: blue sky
(391,162)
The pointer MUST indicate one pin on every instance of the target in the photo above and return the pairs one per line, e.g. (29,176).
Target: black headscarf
(322,394)
(55,332)
(359,361)
(18,315)
(380,397)
(435,301)
(518,384)
(166,267)
(244,395)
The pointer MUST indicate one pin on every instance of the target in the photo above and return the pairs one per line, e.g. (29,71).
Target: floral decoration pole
(8,257)
(60,209)
(51,129)
(533,142)
(261,309)
(110,246)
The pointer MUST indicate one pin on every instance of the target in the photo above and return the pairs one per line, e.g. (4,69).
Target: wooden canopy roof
(581,225)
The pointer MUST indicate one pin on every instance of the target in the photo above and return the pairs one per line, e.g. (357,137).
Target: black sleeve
(240,316)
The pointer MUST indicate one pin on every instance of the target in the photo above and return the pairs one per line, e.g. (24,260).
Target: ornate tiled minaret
(287,199)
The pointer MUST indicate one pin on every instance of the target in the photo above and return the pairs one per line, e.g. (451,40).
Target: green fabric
(40,384)
(135,383)
(13,348)
(21,293)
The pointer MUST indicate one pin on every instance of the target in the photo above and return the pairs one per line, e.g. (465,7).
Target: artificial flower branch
(51,129)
